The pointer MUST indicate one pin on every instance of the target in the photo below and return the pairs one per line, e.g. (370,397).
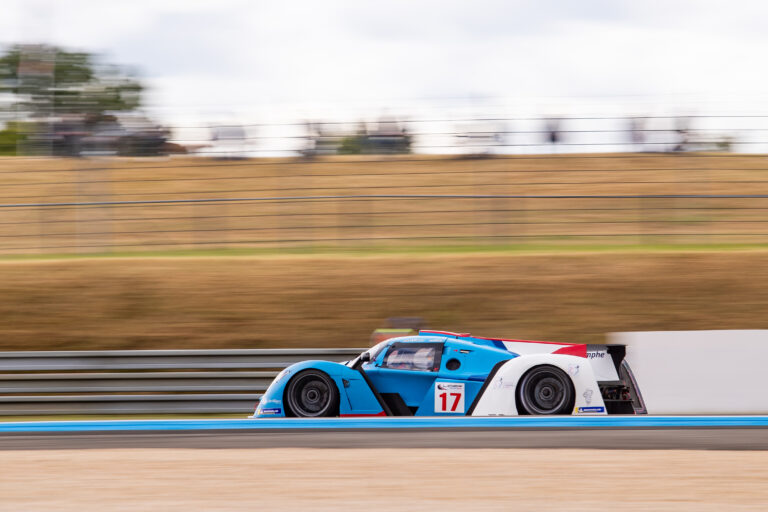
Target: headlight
(281,376)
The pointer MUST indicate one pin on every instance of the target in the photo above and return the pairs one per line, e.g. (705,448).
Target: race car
(438,373)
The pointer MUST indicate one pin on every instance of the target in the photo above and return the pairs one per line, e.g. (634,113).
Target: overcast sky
(219,56)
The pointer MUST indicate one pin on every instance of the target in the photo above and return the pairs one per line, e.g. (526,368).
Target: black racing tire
(545,390)
(312,394)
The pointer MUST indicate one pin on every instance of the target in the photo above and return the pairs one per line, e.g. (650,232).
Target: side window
(420,357)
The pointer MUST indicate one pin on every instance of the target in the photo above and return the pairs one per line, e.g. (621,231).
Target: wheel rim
(545,391)
(310,395)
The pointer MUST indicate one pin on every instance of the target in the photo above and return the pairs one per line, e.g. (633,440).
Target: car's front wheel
(312,394)
(545,390)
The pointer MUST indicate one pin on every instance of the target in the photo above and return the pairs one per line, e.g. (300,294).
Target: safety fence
(119,205)
(144,381)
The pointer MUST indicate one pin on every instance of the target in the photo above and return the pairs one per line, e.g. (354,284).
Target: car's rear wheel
(545,390)
(312,394)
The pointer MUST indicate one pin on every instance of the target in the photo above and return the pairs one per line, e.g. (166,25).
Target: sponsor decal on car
(588,396)
(273,410)
(449,397)
(573,370)
(590,410)
(596,355)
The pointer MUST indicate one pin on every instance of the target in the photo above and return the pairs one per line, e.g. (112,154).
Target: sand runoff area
(382,479)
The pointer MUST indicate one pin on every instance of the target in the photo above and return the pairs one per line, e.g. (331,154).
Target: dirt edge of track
(383,479)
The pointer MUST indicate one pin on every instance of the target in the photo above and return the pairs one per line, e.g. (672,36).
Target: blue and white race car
(437,373)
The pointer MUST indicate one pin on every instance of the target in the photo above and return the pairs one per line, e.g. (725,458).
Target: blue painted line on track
(387,423)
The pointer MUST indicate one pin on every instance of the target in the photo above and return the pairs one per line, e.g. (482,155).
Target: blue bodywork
(380,387)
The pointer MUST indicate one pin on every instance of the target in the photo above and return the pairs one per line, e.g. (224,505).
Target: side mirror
(365,357)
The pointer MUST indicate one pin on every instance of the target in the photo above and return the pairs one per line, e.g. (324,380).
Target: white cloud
(253,55)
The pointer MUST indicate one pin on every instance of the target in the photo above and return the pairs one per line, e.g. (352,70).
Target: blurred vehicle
(79,135)
(479,138)
(444,373)
(387,137)
(321,140)
(398,326)
(228,142)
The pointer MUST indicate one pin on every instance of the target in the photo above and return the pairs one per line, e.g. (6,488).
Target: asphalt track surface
(726,438)
(593,432)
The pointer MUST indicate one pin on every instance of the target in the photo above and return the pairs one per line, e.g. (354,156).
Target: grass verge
(338,299)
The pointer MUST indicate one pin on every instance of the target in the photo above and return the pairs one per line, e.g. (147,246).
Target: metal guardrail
(144,381)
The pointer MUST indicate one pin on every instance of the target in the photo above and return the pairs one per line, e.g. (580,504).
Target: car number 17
(449,397)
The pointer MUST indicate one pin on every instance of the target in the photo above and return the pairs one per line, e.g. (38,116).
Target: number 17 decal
(449,397)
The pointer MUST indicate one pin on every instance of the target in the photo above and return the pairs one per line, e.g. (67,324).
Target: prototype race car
(437,373)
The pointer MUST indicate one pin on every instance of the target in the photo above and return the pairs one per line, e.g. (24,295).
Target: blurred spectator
(552,129)
(682,132)
(637,133)
(312,133)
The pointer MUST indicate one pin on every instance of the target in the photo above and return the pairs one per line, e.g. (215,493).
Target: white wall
(699,372)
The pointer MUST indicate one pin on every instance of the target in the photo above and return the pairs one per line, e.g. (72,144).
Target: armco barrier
(144,381)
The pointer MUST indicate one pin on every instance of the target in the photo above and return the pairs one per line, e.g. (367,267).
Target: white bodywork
(499,398)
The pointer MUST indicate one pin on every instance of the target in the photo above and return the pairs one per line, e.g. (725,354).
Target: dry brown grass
(142,303)
(61,179)
(331,300)
(254,224)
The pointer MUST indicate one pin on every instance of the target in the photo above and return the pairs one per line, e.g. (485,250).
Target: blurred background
(184,179)
(230,174)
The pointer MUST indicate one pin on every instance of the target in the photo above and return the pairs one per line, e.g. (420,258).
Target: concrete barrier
(699,372)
